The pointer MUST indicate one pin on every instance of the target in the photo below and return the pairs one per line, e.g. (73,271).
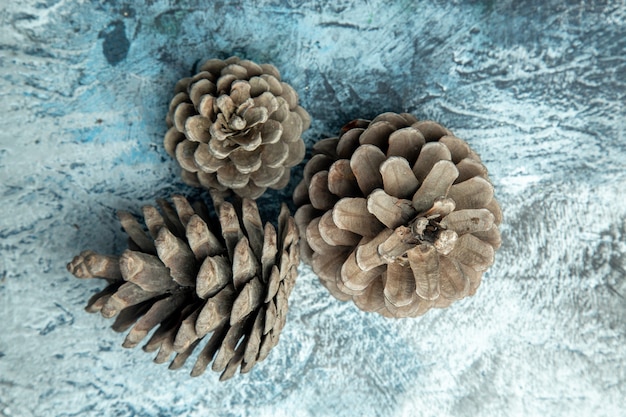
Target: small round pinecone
(192,276)
(235,125)
(398,215)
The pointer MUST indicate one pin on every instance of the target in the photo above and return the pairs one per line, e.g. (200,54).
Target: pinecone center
(425,230)
(235,119)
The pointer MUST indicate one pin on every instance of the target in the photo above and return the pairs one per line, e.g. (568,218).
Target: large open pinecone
(191,276)
(235,125)
(397,214)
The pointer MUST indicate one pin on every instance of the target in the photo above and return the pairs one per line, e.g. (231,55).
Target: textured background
(538,88)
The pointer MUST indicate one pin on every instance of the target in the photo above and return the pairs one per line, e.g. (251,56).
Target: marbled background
(538,88)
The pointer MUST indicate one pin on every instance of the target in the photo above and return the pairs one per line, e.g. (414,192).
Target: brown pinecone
(235,125)
(398,215)
(192,276)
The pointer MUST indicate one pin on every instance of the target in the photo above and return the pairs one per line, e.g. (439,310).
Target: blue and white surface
(538,88)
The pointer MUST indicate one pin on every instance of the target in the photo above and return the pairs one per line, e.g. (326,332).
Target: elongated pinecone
(235,125)
(398,215)
(192,276)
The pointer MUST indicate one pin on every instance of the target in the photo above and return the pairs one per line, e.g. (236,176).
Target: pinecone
(192,276)
(399,215)
(235,125)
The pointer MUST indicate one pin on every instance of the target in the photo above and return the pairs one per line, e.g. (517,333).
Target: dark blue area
(46,330)
(65,318)
(116,44)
